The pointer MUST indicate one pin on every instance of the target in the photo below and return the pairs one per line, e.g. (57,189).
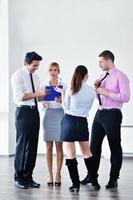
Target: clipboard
(52,93)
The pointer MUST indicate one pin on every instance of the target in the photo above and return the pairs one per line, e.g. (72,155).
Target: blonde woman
(51,126)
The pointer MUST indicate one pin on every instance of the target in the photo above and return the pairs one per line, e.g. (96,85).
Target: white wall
(71,33)
(4,79)
(4,83)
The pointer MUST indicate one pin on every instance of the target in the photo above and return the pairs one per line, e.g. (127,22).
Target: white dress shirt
(80,103)
(21,84)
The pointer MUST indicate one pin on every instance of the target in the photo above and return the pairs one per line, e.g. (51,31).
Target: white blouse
(54,104)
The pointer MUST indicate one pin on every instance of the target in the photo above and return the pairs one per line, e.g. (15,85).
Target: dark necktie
(33,88)
(99,98)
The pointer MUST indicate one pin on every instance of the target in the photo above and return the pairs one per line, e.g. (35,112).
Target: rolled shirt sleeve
(18,88)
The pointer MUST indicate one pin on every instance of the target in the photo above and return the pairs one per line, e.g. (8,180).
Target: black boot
(73,172)
(92,175)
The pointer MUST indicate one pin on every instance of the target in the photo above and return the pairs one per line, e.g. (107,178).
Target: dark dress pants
(107,122)
(27,132)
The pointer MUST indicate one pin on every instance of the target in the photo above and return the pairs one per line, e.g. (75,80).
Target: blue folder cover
(52,93)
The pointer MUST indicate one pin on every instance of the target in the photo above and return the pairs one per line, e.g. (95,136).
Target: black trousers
(27,132)
(107,122)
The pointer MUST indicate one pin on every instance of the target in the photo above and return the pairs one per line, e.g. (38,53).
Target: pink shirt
(117,84)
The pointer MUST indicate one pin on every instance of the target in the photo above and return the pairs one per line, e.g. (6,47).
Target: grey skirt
(51,124)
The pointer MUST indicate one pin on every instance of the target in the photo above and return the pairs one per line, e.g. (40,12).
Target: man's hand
(102,91)
(42,92)
(96,83)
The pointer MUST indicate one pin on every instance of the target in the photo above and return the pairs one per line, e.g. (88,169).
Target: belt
(110,109)
(27,106)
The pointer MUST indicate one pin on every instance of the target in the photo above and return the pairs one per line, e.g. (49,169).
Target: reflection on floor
(9,191)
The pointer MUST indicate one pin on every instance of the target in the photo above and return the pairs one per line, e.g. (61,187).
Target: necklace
(53,84)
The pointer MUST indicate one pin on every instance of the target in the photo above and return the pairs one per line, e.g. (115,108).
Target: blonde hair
(55,65)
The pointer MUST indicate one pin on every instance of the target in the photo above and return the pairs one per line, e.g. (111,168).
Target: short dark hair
(30,56)
(107,55)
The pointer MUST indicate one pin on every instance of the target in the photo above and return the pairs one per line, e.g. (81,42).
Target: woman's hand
(58,89)
(58,99)
(46,105)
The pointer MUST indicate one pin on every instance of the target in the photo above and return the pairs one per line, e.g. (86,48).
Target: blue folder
(52,93)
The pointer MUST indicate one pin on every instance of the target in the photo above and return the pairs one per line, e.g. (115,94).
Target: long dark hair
(77,78)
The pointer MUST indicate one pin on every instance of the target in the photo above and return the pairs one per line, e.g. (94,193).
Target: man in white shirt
(26,93)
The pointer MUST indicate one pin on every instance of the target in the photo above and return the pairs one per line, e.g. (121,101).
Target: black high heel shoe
(57,183)
(58,180)
(50,183)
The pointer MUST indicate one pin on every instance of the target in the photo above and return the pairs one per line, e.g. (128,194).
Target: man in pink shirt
(112,91)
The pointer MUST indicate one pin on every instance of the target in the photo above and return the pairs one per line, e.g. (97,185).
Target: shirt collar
(26,70)
(111,71)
